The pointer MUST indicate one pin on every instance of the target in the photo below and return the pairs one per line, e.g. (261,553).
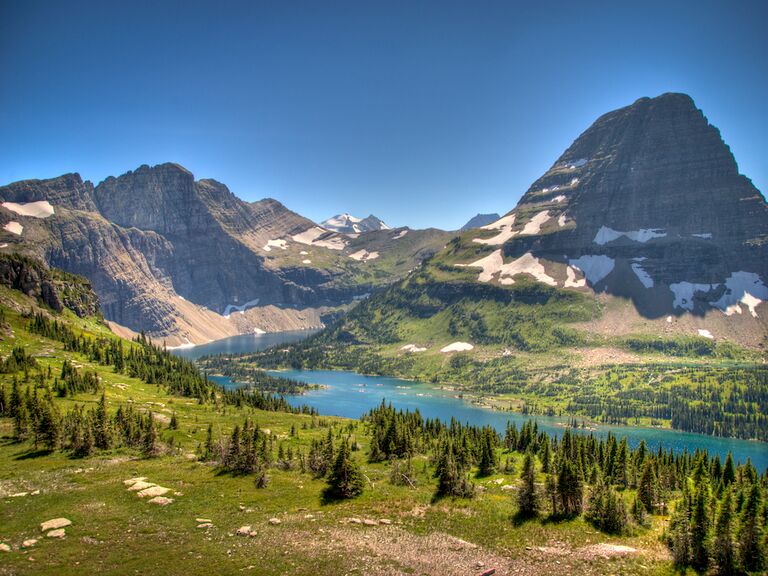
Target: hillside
(186,261)
(121,464)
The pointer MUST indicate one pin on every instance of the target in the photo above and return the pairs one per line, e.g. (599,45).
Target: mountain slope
(348,224)
(175,257)
(480,220)
(642,237)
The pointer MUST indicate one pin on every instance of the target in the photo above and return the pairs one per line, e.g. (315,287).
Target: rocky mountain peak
(348,224)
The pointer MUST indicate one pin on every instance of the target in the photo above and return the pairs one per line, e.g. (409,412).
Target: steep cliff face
(648,204)
(188,261)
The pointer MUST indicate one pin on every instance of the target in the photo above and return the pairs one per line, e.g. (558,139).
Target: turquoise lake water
(351,395)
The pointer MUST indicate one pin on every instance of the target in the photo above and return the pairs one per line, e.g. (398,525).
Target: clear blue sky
(423,113)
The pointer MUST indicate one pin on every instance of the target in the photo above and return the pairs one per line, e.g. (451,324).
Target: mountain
(348,224)
(187,261)
(480,220)
(642,228)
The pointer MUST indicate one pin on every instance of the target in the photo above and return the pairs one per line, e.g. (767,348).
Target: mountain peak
(347,224)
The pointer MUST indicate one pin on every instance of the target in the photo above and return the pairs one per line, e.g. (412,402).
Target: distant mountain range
(187,261)
(348,224)
(480,220)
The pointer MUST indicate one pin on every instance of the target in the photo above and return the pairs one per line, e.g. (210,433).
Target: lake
(351,395)
(243,344)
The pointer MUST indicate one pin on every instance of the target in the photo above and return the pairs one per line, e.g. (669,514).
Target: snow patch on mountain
(504,225)
(14,228)
(561,220)
(239,308)
(558,199)
(39,209)
(400,234)
(570,280)
(641,274)
(412,348)
(606,235)
(457,347)
(282,244)
(595,268)
(742,287)
(348,224)
(526,264)
(685,291)
(534,224)
(705,333)
(312,237)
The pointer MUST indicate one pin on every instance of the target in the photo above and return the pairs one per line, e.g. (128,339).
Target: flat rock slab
(58,533)
(275,521)
(244,530)
(153,491)
(55,524)
(140,485)
(205,525)
(4,547)
(203,520)
(29,543)
(161,500)
(132,481)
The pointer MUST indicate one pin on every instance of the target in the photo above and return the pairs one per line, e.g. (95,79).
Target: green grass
(115,532)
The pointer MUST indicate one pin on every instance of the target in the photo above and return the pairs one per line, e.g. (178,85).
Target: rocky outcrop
(53,288)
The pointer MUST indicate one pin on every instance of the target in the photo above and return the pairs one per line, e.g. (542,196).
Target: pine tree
(174,423)
(724,549)
(149,447)
(345,480)
(569,489)
(700,523)
(487,464)
(606,509)
(527,498)
(729,471)
(647,489)
(102,432)
(209,448)
(49,425)
(21,421)
(751,552)
(551,488)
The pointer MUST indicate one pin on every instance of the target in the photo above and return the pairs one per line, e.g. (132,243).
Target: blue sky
(423,113)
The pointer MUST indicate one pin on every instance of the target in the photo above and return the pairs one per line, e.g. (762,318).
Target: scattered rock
(132,481)
(29,543)
(385,521)
(369,522)
(205,525)
(354,520)
(244,530)
(54,524)
(203,520)
(4,547)
(34,493)
(275,521)
(58,533)
(507,487)
(153,491)
(161,500)
(140,485)
(19,494)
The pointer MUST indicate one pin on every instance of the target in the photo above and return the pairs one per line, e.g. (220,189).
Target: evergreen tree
(679,537)
(751,553)
(569,488)
(174,423)
(487,464)
(102,433)
(527,498)
(700,523)
(647,488)
(149,446)
(729,471)
(724,549)
(551,488)
(606,509)
(345,480)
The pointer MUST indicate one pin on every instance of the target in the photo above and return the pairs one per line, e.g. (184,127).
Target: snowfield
(310,238)
(705,333)
(527,264)
(534,224)
(239,308)
(606,234)
(595,268)
(400,234)
(504,225)
(14,228)
(282,244)
(457,347)
(561,220)
(39,209)
(685,291)
(570,280)
(641,274)
(412,348)
(742,288)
